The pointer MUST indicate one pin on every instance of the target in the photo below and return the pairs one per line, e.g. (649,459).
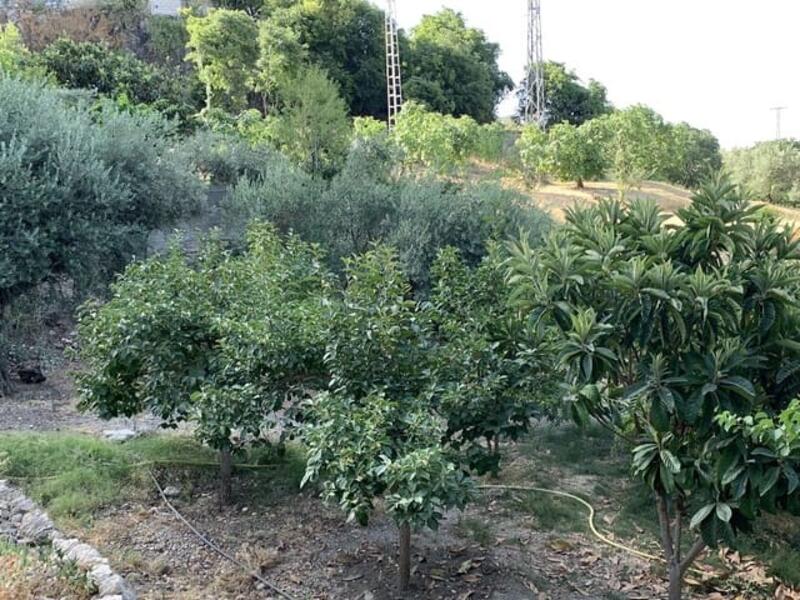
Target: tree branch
(696,550)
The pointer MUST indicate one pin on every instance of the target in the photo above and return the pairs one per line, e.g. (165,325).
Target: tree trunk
(405,556)
(670,515)
(579,183)
(5,378)
(225,470)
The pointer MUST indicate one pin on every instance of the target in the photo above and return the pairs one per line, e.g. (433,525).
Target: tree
(494,370)
(534,154)
(345,38)
(769,171)
(313,128)
(374,433)
(223,45)
(14,56)
(223,342)
(681,341)
(566,98)
(695,155)
(453,68)
(575,153)
(637,144)
(281,56)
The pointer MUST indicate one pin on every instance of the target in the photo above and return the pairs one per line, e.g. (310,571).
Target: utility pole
(778,110)
(394,81)
(535,98)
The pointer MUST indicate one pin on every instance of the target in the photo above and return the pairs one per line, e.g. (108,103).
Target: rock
(84,556)
(31,375)
(20,505)
(172,491)
(109,583)
(119,435)
(36,526)
(63,546)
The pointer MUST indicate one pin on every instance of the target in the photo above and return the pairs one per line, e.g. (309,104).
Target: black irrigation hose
(216,548)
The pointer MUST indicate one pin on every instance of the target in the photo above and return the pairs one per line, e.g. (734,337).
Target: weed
(477,529)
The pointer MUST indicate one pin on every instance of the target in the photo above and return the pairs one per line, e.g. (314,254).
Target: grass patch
(34,573)
(477,529)
(72,475)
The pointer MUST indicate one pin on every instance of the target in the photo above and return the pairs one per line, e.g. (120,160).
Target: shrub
(364,204)
(80,188)
(118,74)
(222,343)
(769,171)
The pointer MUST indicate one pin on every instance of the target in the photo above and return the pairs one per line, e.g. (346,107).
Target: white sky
(717,64)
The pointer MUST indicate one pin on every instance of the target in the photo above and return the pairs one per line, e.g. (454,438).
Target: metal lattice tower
(394,82)
(778,110)
(535,99)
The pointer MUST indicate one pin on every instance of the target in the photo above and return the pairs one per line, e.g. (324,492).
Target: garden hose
(592,513)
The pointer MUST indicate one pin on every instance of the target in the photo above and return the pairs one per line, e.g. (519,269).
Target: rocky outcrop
(24,523)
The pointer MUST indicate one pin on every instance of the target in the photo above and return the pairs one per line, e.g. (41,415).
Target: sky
(716,64)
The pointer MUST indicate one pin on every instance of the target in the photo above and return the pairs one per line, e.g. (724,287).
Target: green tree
(281,57)
(14,56)
(494,370)
(345,38)
(453,68)
(695,155)
(121,76)
(575,153)
(223,45)
(534,154)
(313,128)
(374,434)
(221,341)
(769,171)
(681,341)
(637,144)
(566,98)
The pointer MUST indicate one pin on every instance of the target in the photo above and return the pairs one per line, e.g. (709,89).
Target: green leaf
(701,515)
(724,512)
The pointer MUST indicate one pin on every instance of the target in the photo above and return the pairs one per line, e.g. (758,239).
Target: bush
(364,204)
(118,74)
(534,156)
(769,171)
(80,190)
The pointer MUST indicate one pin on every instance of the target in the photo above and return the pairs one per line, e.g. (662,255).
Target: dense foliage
(682,341)
(453,68)
(223,342)
(769,171)
(366,203)
(80,189)
(121,76)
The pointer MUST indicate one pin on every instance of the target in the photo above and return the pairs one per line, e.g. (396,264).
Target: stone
(64,545)
(119,435)
(172,491)
(84,556)
(21,504)
(36,526)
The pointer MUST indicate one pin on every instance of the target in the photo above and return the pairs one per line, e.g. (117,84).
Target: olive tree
(374,433)
(682,341)
(223,342)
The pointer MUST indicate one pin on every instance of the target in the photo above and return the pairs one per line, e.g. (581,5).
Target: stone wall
(24,524)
